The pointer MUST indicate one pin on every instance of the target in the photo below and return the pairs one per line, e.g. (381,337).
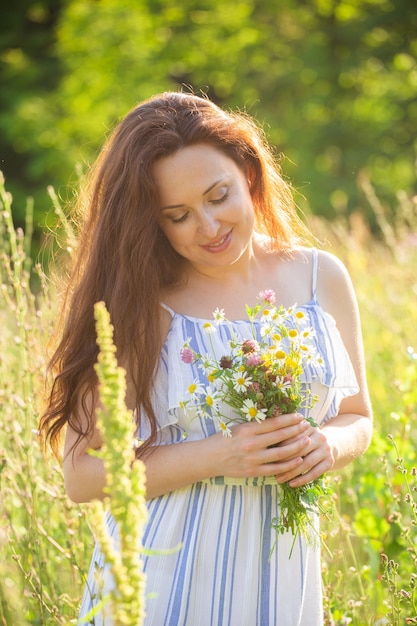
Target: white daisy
(241,381)
(252,412)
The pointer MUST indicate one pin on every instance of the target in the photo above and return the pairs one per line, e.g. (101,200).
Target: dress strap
(167,308)
(314,274)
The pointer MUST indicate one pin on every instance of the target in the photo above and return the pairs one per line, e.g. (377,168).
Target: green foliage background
(334,82)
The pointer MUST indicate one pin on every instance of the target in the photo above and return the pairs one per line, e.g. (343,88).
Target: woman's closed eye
(215,196)
(178,220)
(221,197)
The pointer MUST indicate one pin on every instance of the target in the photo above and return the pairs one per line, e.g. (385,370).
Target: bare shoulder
(331,270)
(335,291)
(331,265)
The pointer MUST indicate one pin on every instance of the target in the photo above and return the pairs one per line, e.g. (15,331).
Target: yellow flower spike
(125,483)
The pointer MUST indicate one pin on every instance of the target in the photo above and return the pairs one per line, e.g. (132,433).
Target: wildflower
(253,360)
(225,429)
(252,412)
(308,333)
(280,355)
(206,364)
(195,388)
(218,315)
(241,380)
(209,328)
(211,396)
(284,383)
(249,345)
(226,362)
(267,328)
(187,355)
(268,295)
(314,359)
(125,482)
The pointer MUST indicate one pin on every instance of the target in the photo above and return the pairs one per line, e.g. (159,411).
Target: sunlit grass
(46,541)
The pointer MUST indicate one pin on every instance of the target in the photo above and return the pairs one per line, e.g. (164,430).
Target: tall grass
(46,541)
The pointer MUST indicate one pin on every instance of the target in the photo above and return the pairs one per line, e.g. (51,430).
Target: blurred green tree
(29,73)
(332,81)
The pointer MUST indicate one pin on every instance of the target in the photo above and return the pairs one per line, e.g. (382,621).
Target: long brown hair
(124,259)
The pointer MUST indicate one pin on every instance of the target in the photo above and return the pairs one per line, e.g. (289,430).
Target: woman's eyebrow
(178,206)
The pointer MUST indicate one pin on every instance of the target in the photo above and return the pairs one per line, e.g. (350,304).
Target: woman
(187,211)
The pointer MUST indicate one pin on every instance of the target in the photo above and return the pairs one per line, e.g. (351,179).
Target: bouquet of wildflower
(261,377)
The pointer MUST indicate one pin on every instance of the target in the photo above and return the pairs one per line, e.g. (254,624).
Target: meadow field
(370,560)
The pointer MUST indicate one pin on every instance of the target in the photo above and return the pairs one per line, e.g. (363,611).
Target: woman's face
(206,209)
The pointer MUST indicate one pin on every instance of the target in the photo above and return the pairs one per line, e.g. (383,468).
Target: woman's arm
(169,467)
(346,436)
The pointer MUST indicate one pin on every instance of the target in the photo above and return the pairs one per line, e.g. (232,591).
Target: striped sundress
(224,574)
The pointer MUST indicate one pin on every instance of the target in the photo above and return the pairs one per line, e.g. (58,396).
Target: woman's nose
(208,223)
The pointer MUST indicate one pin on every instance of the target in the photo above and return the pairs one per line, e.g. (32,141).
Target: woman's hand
(318,458)
(275,446)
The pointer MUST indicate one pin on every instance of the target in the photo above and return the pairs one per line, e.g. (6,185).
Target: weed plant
(46,541)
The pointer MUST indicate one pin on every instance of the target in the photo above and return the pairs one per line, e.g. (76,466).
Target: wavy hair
(124,259)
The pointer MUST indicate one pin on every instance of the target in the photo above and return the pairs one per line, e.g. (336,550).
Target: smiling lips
(219,244)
